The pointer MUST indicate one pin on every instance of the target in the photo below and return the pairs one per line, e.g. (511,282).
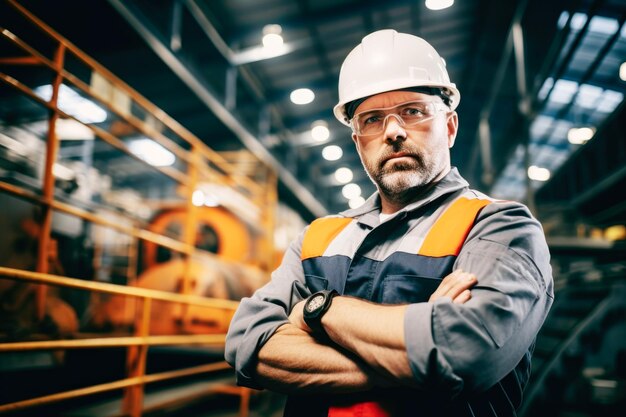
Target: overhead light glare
(356,202)
(438,4)
(343,175)
(538,174)
(351,191)
(319,131)
(272,38)
(197,198)
(302,96)
(74,104)
(62,172)
(151,152)
(332,152)
(580,135)
(622,71)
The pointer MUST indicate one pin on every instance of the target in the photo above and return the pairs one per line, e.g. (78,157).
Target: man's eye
(413,111)
(371,119)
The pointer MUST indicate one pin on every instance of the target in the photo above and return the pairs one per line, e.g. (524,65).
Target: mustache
(406,150)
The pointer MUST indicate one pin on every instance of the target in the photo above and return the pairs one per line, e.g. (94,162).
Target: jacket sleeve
(258,317)
(467,348)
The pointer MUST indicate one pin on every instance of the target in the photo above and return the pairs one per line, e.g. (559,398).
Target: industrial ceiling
(529,72)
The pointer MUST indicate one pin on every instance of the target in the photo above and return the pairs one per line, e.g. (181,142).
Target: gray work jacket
(473,358)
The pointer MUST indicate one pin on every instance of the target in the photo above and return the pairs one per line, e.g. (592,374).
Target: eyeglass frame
(438,107)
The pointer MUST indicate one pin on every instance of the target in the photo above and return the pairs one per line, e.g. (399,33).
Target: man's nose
(394,131)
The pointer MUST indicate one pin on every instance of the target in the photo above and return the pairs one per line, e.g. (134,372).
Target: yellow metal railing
(202,165)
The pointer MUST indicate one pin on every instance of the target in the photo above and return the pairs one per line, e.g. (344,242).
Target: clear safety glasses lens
(373,122)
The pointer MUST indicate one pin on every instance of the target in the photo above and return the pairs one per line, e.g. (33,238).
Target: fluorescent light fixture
(439,4)
(351,191)
(622,71)
(70,129)
(151,152)
(319,131)
(332,152)
(580,136)
(343,175)
(302,96)
(356,202)
(72,103)
(62,172)
(538,174)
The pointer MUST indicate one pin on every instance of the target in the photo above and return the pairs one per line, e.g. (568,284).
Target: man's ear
(356,142)
(453,127)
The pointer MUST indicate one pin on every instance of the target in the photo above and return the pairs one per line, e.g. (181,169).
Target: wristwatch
(315,307)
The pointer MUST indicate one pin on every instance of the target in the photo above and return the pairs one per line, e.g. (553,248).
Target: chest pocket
(408,289)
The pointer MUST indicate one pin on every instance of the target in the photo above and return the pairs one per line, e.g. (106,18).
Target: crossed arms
(366,346)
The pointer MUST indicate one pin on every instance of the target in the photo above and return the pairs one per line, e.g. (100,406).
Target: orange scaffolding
(202,164)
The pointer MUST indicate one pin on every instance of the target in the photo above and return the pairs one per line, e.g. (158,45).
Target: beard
(398,180)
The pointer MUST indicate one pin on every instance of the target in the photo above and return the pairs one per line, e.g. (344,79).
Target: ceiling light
(356,202)
(332,152)
(151,152)
(351,191)
(70,129)
(197,198)
(302,96)
(343,175)
(319,131)
(622,71)
(439,4)
(538,174)
(580,135)
(72,103)
(62,172)
(272,40)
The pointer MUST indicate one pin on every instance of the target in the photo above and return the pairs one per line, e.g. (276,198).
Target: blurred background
(158,156)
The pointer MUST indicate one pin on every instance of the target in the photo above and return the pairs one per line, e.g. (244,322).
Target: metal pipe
(106,342)
(171,123)
(208,97)
(110,386)
(50,279)
(485,113)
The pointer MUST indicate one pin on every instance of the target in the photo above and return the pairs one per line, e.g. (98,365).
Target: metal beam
(204,92)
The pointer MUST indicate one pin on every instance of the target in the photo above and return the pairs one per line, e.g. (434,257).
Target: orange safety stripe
(319,235)
(449,232)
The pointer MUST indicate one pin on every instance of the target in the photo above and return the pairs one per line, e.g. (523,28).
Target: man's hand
(296,317)
(455,286)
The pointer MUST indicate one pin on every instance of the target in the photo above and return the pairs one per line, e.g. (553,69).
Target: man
(424,301)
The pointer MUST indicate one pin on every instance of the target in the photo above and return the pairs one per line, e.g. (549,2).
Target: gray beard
(400,182)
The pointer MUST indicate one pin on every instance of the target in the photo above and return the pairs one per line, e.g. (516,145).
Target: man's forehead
(391,98)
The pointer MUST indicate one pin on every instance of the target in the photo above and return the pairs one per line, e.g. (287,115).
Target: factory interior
(157,157)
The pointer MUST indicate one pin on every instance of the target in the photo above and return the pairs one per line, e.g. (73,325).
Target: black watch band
(315,307)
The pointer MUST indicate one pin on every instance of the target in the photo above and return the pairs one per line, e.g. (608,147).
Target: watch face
(315,303)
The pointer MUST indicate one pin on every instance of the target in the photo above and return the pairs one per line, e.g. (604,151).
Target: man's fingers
(445,285)
(454,285)
(462,298)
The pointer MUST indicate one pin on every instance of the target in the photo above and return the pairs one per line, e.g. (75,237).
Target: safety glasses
(373,121)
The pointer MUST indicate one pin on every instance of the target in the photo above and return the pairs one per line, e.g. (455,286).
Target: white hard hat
(386,61)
